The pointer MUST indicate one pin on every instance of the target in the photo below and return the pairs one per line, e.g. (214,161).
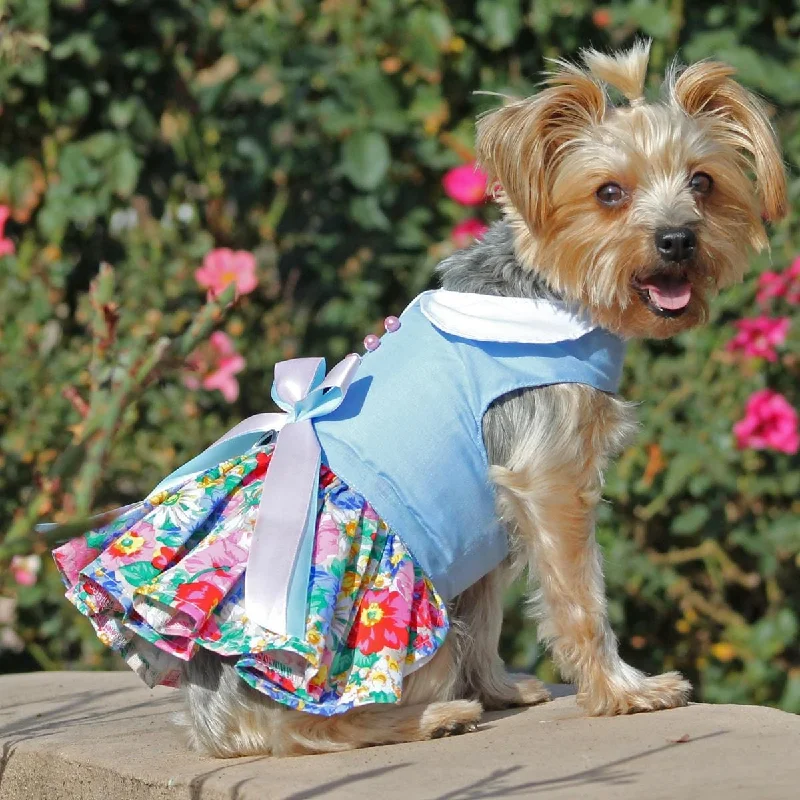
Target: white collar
(489,318)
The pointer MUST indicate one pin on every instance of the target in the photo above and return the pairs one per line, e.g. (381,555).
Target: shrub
(315,136)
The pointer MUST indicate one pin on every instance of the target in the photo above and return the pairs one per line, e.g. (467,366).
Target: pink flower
(223,557)
(6,245)
(214,365)
(769,423)
(758,337)
(224,266)
(326,543)
(784,284)
(404,580)
(25,569)
(73,556)
(467,231)
(466,184)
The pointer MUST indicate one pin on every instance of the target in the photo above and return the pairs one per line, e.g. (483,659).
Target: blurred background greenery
(313,137)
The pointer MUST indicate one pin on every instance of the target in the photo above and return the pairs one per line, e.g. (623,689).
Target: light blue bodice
(408,435)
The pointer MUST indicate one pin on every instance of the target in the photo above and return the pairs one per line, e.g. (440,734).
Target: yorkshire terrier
(639,213)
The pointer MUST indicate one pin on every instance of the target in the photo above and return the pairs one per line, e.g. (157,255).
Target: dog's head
(638,212)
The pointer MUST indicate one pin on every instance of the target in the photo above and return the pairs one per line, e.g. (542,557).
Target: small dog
(638,213)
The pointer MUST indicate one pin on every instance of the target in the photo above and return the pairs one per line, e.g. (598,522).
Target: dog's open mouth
(664,294)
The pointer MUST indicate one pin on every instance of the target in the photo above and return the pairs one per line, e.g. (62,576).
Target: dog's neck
(491,267)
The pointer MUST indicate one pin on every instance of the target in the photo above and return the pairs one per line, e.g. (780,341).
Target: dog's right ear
(521,144)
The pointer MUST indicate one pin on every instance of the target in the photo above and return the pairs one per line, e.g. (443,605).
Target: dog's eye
(701,183)
(611,194)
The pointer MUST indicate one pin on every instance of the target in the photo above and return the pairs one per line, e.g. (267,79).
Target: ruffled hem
(167,578)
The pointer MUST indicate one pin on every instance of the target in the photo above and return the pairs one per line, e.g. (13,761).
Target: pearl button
(391,324)
(372,342)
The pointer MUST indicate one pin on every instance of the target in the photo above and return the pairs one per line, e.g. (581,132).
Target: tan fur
(479,610)
(625,71)
(550,488)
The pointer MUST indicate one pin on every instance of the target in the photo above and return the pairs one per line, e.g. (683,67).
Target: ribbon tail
(89,524)
(297,597)
(288,493)
(237,441)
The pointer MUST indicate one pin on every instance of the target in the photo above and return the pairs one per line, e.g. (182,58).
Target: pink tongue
(670,296)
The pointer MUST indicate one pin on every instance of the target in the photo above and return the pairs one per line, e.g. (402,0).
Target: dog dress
(318,548)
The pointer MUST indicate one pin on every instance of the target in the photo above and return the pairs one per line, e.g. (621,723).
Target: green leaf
(171,540)
(76,168)
(101,145)
(690,521)
(122,112)
(95,540)
(501,20)
(83,209)
(365,159)
(140,573)
(790,699)
(52,222)
(368,214)
(123,172)
(78,102)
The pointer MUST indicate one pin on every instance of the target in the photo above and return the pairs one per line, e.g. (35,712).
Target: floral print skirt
(167,578)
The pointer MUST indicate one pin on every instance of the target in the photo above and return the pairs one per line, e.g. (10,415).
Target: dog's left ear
(707,88)
(521,144)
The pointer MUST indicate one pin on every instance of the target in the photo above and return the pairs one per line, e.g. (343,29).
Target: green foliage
(315,135)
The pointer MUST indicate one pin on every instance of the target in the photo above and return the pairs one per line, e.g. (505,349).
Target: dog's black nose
(676,244)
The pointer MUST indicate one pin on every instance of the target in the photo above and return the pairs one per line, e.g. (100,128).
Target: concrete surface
(104,736)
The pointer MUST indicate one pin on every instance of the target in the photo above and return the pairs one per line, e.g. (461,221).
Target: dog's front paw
(632,691)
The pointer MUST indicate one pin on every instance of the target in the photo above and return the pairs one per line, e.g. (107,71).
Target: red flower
(326,477)
(204,596)
(127,545)
(6,245)
(769,423)
(423,641)
(427,615)
(467,231)
(466,184)
(784,284)
(162,558)
(210,631)
(758,337)
(282,681)
(601,17)
(382,623)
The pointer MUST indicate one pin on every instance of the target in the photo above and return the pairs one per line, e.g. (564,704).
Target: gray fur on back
(490,266)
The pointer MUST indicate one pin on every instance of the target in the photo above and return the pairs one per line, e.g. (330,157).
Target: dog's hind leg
(427,711)
(227,718)
(479,610)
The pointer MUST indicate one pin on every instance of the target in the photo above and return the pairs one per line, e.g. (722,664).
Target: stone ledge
(104,736)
